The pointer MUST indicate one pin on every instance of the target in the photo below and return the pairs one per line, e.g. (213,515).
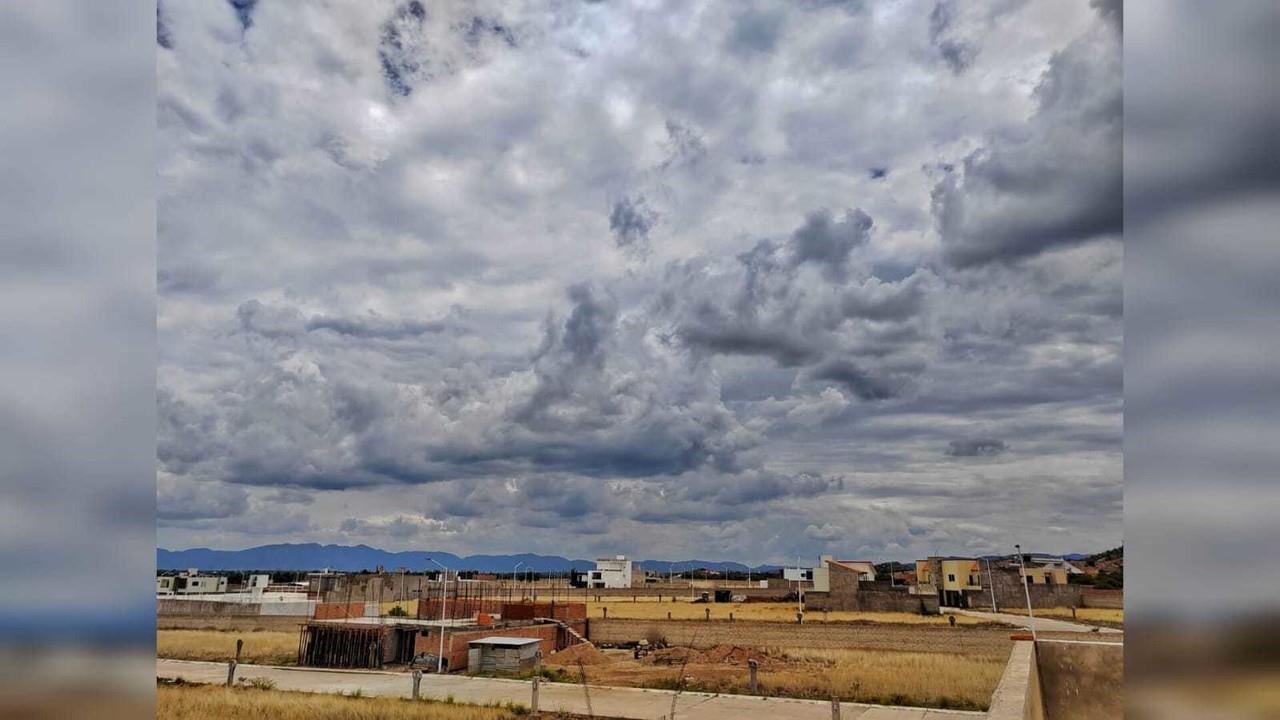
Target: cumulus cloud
(1053,181)
(393,307)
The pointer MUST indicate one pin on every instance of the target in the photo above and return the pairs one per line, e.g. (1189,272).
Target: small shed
(502,655)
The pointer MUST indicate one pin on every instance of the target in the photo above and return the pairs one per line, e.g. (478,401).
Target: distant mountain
(346,558)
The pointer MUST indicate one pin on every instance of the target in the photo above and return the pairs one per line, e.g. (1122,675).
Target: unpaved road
(605,701)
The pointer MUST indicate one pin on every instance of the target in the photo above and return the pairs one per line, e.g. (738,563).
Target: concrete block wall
(872,601)
(289,608)
(1095,598)
(211,608)
(1009,593)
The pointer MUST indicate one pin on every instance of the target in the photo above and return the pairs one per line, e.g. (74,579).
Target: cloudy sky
(727,280)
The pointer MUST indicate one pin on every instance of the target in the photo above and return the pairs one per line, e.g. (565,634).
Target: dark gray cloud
(1053,182)
(630,221)
(976,447)
(827,242)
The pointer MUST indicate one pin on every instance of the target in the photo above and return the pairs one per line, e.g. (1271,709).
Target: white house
(614,572)
(190,583)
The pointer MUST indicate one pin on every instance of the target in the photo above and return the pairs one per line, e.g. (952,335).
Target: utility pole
(444,599)
(1027,590)
(991,580)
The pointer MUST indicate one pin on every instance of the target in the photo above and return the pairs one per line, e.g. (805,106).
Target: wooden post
(668,614)
(239,647)
(231,673)
(800,618)
(417,683)
(1073,612)
(535,693)
(754,665)
(606,612)
(730,617)
(708,612)
(835,708)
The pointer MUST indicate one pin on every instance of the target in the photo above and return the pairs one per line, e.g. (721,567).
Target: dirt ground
(900,678)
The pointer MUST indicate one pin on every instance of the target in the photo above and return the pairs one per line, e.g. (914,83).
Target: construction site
(833,633)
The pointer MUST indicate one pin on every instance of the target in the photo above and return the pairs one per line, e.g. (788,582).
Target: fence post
(668,614)
(417,682)
(835,708)
(708,612)
(239,647)
(231,673)
(535,693)
(730,617)
(606,612)
(754,665)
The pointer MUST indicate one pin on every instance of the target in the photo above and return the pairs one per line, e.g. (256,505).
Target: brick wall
(336,611)
(456,642)
(531,610)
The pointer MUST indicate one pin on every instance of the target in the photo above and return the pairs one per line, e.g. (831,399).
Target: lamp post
(1027,590)
(444,598)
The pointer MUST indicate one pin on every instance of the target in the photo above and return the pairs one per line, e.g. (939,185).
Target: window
(951,578)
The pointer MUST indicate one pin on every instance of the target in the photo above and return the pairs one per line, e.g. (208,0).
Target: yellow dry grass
(891,678)
(940,680)
(1084,615)
(648,609)
(201,702)
(269,647)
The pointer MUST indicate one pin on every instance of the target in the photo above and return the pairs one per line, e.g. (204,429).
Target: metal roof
(510,641)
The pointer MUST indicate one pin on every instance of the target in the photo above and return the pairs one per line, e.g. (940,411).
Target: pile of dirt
(587,653)
(729,655)
(670,656)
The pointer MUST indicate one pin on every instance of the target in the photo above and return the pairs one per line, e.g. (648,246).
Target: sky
(737,281)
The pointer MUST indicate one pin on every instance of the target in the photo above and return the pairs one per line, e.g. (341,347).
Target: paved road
(1042,623)
(605,701)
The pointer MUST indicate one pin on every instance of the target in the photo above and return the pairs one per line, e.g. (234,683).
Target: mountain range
(347,558)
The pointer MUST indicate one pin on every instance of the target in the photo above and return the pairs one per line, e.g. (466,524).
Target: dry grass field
(201,702)
(649,609)
(269,647)
(940,680)
(1085,615)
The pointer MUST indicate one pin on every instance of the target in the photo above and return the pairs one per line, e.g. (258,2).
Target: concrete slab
(1042,623)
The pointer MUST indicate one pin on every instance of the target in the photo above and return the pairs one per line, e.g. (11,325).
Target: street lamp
(1027,590)
(444,598)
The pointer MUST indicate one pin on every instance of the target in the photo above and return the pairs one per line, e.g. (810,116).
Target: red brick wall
(456,642)
(335,611)
(531,610)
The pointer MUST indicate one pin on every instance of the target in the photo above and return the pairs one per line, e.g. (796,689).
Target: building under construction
(376,642)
